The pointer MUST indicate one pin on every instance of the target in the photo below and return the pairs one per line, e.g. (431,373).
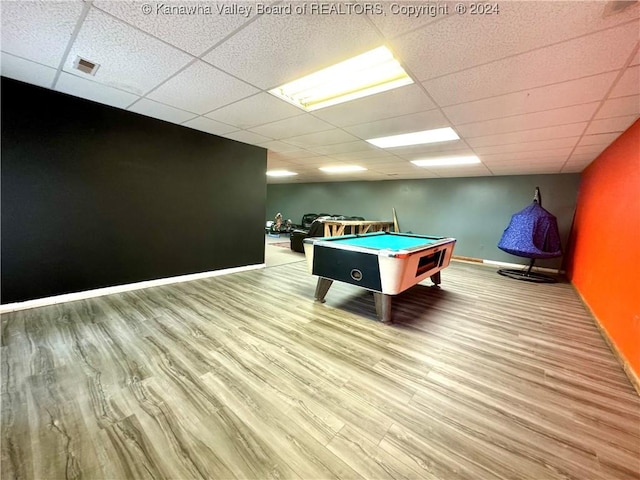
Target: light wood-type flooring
(245,376)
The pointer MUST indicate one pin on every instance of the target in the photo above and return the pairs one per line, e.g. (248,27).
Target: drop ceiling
(540,87)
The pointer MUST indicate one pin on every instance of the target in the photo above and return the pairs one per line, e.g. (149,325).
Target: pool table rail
(332,242)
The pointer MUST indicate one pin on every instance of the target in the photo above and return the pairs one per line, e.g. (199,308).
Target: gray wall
(475,210)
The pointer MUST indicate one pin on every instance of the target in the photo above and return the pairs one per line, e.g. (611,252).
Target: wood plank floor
(244,376)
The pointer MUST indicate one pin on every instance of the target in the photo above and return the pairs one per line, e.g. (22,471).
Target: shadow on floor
(417,305)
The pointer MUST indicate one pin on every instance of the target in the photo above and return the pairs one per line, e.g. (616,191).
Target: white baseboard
(70,297)
(99,292)
(494,263)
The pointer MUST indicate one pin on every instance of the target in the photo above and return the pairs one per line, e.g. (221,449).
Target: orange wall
(604,258)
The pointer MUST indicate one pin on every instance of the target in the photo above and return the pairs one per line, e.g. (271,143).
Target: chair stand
(527,275)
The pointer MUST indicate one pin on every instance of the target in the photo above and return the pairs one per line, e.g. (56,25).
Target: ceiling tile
(580,163)
(618,107)
(26,71)
(408,155)
(411,171)
(397,18)
(370,162)
(39,31)
(393,162)
(629,83)
(556,153)
(193,33)
(591,55)
(129,59)
(200,88)
(393,103)
(274,161)
(364,154)
(572,169)
(528,146)
(594,150)
(530,170)
(327,137)
(300,125)
(461,170)
(210,126)
(577,166)
(529,121)
(581,158)
(598,139)
(376,177)
(248,137)
(286,47)
(256,110)
(575,92)
(295,154)
(542,159)
(397,125)
(160,111)
(466,173)
(559,131)
(278,146)
(519,27)
(538,162)
(84,88)
(429,149)
(609,125)
(312,163)
(530,130)
(276,156)
(279,165)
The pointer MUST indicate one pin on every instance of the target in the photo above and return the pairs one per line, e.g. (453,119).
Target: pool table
(385,263)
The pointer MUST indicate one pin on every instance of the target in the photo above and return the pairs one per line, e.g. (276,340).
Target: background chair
(307,220)
(532,233)
(316,229)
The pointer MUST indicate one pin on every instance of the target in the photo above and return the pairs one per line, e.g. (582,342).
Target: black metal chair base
(527,276)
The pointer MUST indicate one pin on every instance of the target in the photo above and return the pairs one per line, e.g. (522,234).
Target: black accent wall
(94,196)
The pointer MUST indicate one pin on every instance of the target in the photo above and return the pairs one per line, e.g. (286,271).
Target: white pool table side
(396,273)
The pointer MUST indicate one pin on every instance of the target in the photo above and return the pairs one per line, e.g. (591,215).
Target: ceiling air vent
(85,66)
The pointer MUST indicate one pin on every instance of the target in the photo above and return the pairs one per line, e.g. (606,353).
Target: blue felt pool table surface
(385,241)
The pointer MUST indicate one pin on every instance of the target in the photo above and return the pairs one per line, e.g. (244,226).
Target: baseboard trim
(460,258)
(631,374)
(99,292)
(494,263)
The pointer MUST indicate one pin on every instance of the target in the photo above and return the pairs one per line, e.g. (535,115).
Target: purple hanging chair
(532,233)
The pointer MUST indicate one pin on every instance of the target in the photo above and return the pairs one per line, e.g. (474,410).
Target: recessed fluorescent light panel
(342,169)
(280,173)
(367,74)
(416,138)
(446,161)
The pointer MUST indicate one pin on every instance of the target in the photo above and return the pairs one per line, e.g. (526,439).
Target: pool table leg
(322,287)
(383,306)
(435,278)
